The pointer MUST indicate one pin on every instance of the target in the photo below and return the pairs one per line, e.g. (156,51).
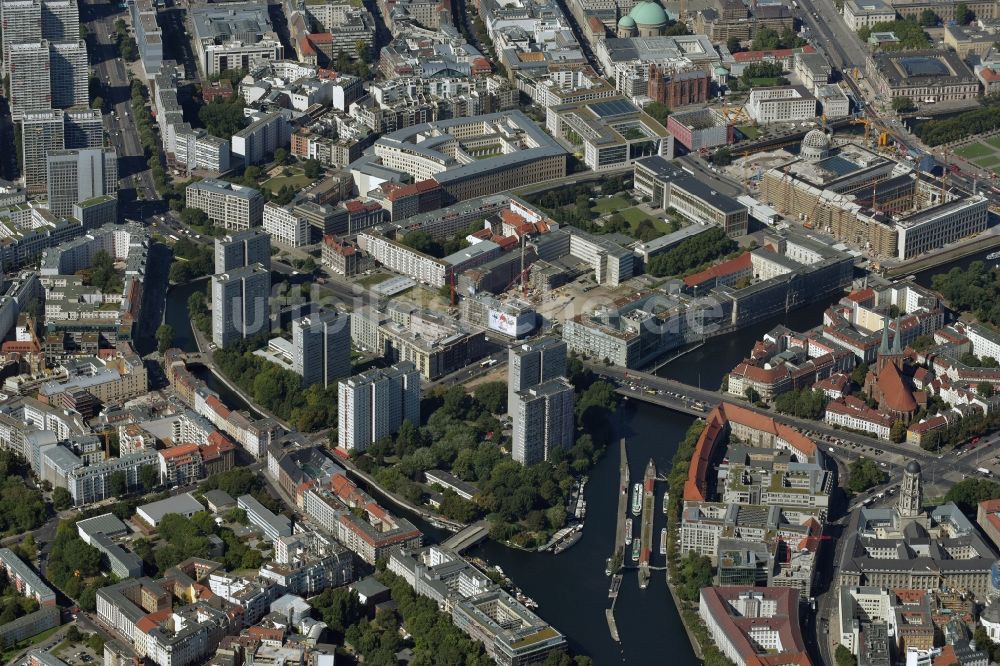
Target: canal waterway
(571,588)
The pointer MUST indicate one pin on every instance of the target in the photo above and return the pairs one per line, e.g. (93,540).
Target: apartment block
(239,303)
(30,78)
(243,248)
(70,71)
(258,140)
(322,347)
(543,421)
(60,20)
(42,131)
(374,404)
(533,363)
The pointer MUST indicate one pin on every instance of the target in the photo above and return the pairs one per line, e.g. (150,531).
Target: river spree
(571,588)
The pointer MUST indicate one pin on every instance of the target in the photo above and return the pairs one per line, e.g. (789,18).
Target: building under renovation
(887,208)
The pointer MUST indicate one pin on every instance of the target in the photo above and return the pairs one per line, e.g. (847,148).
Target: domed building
(647,19)
(815,145)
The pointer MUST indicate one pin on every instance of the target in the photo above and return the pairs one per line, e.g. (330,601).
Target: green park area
(985,154)
(632,214)
(296,181)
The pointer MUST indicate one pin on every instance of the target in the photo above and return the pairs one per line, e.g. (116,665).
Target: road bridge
(468,537)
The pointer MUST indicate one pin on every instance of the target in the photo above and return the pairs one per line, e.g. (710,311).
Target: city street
(136,189)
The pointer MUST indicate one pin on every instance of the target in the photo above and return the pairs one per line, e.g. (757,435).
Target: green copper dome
(626,22)
(649,13)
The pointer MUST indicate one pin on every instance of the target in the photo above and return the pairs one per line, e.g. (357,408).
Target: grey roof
(546,146)
(703,191)
(107,523)
(227,188)
(219,498)
(368,587)
(182,504)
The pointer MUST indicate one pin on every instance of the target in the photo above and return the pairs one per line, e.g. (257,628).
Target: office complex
(42,131)
(79,175)
(937,550)
(533,363)
(243,248)
(235,207)
(543,421)
(754,627)
(613,132)
(321,344)
(755,484)
(69,74)
(239,303)
(511,633)
(468,157)
(923,76)
(374,404)
(671,187)
(233,36)
(30,81)
(780,104)
(285,225)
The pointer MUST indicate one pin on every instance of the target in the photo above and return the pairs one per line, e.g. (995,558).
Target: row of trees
(968,493)
(147,137)
(688,572)
(12,604)
(276,389)
(983,119)
(692,253)
(768,39)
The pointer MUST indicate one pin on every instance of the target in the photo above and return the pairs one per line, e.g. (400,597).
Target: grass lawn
(749,132)
(974,150)
(988,162)
(611,205)
(296,182)
(370,280)
(994,141)
(634,216)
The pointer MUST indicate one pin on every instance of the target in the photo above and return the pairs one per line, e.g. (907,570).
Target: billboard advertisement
(513,325)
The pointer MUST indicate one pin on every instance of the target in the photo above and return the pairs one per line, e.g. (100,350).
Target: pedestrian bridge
(468,537)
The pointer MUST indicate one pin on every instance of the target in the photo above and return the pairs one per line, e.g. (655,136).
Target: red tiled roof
(895,393)
(784,621)
(696,486)
(178,451)
(737,265)
(862,296)
(217,406)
